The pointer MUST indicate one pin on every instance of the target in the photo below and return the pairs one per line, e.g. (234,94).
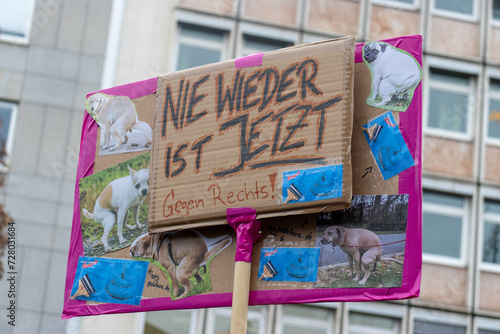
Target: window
(450,103)
(491,232)
(200,46)
(409,4)
(15,19)
(219,320)
(494,110)
(496,10)
(462,8)
(486,325)
(254,44)
(487,331)
(298,319)
(360,323)
(444,224)
(401,1)
(8,113)
(427,327)
(170,322)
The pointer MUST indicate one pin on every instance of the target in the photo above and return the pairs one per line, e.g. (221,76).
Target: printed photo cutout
(364,245)
(312,184)
(114,206)
(289,264)
(388,145)
(109,280)
(121,129)
(183,256)
(394,73)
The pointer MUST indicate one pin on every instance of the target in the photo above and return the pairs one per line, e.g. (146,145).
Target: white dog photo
(119,122)
(114,199)
(394,76)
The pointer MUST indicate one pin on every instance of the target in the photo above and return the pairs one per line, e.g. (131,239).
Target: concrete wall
(48,78)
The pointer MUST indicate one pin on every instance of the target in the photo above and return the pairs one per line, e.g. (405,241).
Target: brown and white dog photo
(181,253)
(116,200)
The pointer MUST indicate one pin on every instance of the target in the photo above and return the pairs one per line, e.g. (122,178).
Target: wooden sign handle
(241,289)
(242,220)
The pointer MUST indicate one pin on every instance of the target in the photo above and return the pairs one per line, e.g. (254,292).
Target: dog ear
(147,241)
(340,232)
(131,171)
(383,47)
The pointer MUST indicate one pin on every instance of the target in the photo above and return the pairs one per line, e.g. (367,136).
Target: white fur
(129,191)
(118,115)
(393,72)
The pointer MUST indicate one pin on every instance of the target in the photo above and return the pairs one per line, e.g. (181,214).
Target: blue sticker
(109,280)
(289,264)
(312,184)
(388,145)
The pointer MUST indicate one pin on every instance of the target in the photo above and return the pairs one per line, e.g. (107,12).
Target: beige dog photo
(118,118)
(182,254)
(363,246)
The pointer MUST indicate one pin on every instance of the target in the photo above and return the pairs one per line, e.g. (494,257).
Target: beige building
(85,44)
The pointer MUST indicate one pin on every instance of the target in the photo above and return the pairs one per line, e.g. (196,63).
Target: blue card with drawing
(313,184)
(388,145)
(289,264)
(109,280)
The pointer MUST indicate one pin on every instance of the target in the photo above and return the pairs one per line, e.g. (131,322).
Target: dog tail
(144,127)
(391,259)
(88,214)
(218,247)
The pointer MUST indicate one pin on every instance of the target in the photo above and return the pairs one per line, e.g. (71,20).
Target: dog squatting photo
(114,206)
(363,246)
(184,258)
(395,75)
(121,129)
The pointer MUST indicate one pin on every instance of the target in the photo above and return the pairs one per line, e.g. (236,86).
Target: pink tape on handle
(249,61)
(242,220)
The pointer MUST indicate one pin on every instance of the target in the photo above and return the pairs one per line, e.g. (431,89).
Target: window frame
(202,21)
(329,325)
(467,192)
(198,42)
(486,324)
(487,194)
(11,135)
(394,4)
(468,69)
(492,74)
(375,309)
(260,31)
(261,316)
(473,17)
(493,22)
(438,317)
(24,40)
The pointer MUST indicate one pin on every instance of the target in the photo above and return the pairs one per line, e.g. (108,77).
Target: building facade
(89,44)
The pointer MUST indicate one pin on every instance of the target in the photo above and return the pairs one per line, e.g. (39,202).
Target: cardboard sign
(300,257)
(244,133)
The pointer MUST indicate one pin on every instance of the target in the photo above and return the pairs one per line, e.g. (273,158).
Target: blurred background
(53,52)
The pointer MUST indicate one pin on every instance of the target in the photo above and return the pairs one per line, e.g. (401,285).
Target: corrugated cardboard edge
(349,47)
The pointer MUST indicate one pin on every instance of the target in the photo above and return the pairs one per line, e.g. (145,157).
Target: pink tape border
(410,183)
(247,229)
(249,61)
